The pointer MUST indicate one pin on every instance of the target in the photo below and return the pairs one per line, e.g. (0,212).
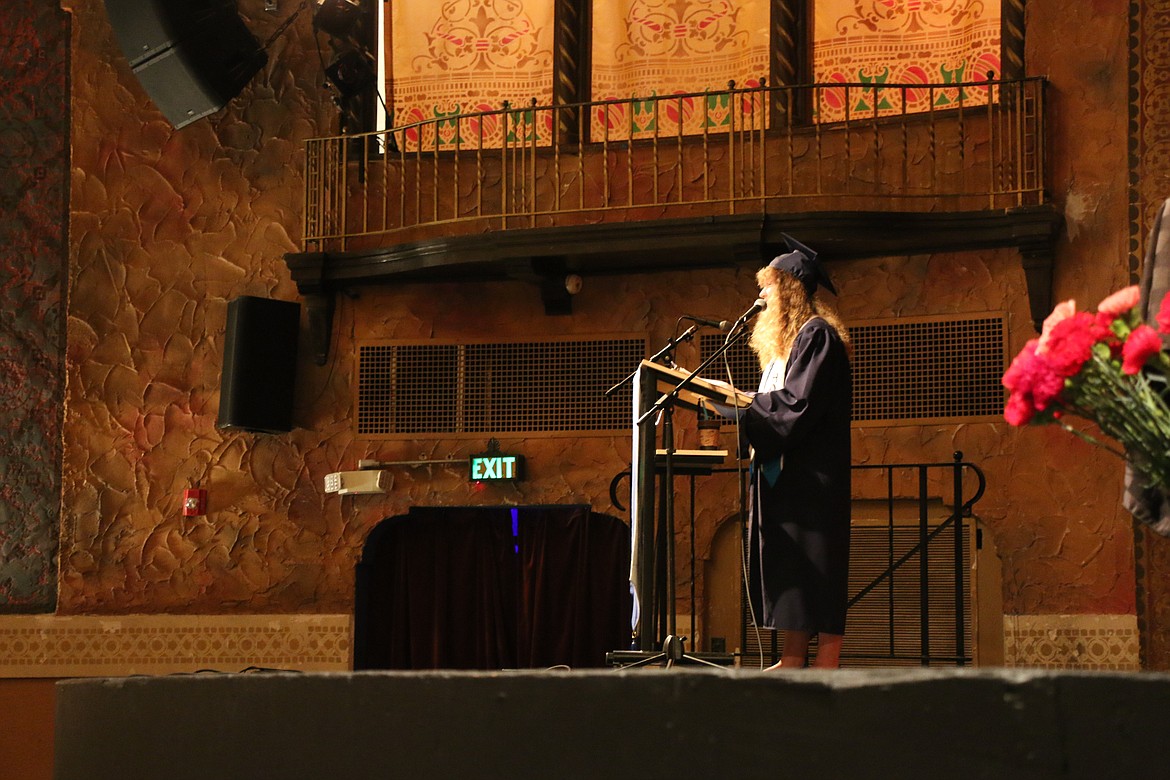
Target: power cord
(744,520)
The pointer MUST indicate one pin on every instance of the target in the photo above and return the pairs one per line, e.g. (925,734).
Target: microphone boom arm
(686,335)
(737,333)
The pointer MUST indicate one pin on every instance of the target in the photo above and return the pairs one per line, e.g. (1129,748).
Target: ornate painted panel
(648,48)
(875,42)
(1149,186)
(34,177)
(466,57)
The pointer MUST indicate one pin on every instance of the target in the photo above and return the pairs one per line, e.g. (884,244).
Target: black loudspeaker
(259,365)
(191,56)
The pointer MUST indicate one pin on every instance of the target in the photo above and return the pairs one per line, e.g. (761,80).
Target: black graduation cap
(801,262)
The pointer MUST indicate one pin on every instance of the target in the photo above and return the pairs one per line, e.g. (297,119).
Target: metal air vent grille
(928,369)
(545,387)
(923,369)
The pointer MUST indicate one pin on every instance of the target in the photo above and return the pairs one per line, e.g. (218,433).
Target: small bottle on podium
(708,428)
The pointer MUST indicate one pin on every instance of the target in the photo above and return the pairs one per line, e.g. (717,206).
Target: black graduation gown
(799,513)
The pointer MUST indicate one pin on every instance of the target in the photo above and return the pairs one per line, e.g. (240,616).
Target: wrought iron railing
(911,601)
(917,609)
(886,147)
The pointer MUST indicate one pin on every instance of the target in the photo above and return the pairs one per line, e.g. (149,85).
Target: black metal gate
(909,570)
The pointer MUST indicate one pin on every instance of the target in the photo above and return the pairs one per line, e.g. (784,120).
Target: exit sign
(493,465)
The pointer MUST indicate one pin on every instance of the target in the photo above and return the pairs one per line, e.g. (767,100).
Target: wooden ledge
(544,255)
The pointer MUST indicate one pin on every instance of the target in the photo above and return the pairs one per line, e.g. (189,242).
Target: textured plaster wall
(34,170)
(167,226)
(1052,503)
(1082,49)
(1084,541)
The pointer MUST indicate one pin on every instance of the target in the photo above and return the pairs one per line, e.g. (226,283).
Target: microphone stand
(686,335)
(738,331)
(666,352)
(673,646)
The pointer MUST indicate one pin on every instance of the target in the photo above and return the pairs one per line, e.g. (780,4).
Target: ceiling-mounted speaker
(351,73)
(337,17)
(191,56)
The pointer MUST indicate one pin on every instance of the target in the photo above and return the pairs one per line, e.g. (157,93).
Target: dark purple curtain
(493,588)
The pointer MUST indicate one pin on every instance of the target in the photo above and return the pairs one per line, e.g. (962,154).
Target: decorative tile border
(1071,641)
(112,646)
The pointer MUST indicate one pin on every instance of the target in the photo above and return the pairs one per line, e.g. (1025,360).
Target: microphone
(718,325)
(753,310)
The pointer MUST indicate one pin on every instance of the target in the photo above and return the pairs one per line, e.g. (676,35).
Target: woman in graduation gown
(798,430)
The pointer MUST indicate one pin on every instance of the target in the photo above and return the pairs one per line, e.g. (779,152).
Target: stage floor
(641,723)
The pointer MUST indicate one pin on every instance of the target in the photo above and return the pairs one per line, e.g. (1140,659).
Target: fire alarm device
(194,502)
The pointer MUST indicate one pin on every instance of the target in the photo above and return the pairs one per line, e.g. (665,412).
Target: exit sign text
(492,467)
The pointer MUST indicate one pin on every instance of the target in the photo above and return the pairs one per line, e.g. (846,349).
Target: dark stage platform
(644,723)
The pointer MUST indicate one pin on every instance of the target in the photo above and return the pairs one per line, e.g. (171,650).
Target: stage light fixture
(350,73)
(337,17)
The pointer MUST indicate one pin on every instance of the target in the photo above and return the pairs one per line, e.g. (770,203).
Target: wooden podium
(652,384)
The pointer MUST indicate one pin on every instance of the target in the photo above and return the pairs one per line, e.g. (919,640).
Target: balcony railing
(871,147)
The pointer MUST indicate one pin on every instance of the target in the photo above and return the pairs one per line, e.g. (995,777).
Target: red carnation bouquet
(1107,367)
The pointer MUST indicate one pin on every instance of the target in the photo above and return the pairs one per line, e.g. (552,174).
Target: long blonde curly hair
(789,308)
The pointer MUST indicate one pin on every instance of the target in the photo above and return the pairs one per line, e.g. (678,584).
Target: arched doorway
(723,588)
